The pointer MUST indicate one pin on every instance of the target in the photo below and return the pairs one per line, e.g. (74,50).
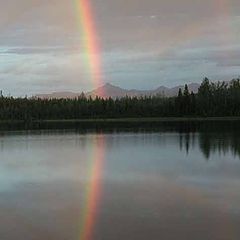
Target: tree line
(212,100)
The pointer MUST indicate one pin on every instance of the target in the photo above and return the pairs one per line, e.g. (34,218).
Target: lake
(172,182)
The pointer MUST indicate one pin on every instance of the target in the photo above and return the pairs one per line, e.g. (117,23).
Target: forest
(214,99)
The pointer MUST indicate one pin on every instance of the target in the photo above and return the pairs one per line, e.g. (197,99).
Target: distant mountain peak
(110,90)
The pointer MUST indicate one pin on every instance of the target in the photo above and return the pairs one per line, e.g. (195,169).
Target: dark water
(178,181)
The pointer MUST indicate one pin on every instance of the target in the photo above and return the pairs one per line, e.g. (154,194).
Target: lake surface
(171,183)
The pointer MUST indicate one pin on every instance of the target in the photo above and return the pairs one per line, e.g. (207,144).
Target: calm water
(130,184)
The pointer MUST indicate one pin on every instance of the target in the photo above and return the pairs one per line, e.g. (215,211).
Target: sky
(142,44)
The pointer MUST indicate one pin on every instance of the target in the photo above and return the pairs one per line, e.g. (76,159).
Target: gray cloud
(143,43)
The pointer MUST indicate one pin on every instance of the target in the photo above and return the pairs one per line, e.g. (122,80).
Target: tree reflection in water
(213,138)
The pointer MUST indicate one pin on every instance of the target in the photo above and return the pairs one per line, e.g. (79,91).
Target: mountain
(109,90)
(170,92)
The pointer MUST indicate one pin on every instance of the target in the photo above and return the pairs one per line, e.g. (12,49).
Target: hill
(109,90)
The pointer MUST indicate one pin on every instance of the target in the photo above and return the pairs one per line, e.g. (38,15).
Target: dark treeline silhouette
(212,100)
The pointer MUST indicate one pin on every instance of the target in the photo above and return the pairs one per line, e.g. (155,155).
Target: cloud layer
(144,43)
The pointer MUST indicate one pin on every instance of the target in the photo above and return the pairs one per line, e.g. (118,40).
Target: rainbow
(93,189)
(90,42)
(90,48)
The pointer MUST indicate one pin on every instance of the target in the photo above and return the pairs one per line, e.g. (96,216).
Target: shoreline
(125,120)
(110,124)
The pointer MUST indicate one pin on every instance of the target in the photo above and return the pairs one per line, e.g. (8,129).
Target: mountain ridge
(110,90)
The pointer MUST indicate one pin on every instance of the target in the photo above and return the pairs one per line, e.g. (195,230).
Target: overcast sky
(144,44)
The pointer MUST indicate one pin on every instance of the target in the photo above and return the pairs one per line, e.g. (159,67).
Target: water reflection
(209,143)
(220,137)
(93,190)
(50,185)
(141,183)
